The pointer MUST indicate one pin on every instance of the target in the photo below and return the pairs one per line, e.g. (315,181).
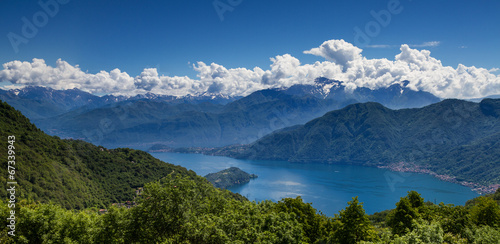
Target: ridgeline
(73,173)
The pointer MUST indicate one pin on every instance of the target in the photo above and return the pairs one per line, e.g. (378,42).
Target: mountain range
(177,206)
(42,102)
(452,137)
(395,96)
(208,120)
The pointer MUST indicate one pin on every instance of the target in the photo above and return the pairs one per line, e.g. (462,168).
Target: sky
(235,47)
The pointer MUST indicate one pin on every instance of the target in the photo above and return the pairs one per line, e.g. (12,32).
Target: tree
(305,215)
(416,200)
(486,234)
(423,233)
(455,220)
(354,224)
(486,212)
(402,219)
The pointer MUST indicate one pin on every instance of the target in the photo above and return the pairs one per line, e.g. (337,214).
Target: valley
(230,121)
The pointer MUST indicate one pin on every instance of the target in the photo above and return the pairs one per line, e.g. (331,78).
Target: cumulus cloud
(64,76)
(344,62)
(338,51)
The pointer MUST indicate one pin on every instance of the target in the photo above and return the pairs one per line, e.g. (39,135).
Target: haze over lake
(328,187)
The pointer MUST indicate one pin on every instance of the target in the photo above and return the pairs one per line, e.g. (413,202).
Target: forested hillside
(452,137)
(229,177)
(72,173)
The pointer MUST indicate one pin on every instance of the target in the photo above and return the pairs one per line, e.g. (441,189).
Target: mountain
(452,137)
(42,102)
(119,122)
(477,100)
(206,120)
(146,122)
(396,96)
(73,174)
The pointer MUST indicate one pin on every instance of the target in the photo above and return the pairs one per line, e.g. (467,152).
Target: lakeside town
(397,167)
(414,168)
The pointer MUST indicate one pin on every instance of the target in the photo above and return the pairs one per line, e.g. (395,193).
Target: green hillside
(451,137)
(229,177)
(72,173)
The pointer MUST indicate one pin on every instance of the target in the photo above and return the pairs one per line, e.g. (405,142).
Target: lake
(327,187)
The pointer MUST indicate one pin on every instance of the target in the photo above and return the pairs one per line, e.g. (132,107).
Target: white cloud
(427,44)
(343,62)
(338,51)
(380,46)
(64,76)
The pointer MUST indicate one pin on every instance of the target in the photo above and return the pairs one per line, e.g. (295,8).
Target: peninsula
(229,177)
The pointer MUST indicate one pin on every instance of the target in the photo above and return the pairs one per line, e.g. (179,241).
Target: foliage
(73,173)
(229,177)
(184,209)
(495,196)
(403,219)
(314,225)
(486,212)
(486,235)
(354,224)
(423,233)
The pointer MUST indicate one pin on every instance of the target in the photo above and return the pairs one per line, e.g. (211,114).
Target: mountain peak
(326,81)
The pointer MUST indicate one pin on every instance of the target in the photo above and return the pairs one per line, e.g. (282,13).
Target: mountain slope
(143,122)
(109,124)
(207,120)
(452,136)
(74,174)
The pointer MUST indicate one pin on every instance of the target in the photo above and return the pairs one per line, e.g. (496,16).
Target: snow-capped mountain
(38,102)
(395,96)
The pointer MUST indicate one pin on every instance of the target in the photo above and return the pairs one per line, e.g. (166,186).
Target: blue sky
(172,35)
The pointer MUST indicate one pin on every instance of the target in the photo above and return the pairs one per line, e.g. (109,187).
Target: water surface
(327,187)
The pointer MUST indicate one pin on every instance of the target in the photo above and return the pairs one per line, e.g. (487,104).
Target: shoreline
(413,168)
(396,167)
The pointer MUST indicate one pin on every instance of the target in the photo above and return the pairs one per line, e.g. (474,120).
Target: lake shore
(397,167)
(413,168)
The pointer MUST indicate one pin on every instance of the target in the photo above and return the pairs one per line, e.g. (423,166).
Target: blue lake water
(327,187)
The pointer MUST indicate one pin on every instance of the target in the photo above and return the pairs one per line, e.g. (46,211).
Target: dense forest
(63,183)
(73,173)
(180,209)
